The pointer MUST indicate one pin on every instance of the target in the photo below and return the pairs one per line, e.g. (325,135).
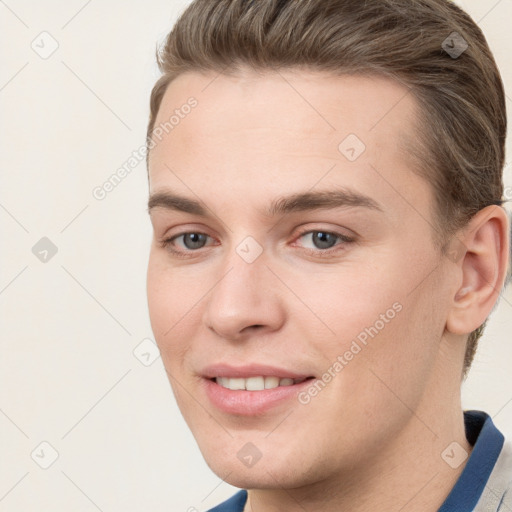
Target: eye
(186,244)
(191,241)
(322,240)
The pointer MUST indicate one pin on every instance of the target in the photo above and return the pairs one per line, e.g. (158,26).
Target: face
(293,247)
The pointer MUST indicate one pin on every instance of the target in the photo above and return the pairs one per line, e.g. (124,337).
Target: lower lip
(250,403)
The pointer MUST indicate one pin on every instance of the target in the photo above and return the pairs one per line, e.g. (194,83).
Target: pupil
(323,240)
(194,240)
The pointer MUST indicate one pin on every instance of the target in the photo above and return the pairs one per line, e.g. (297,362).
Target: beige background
(70,326)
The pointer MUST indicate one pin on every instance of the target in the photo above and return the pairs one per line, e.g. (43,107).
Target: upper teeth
(254,383)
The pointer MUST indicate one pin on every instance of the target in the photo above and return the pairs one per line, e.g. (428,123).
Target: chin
(260,465)
(264,474)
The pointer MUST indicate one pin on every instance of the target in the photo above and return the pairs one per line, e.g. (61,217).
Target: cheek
(172,304)
(349,300)
(396,360)
(378,328)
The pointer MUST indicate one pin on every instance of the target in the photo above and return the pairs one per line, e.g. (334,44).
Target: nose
(245,300)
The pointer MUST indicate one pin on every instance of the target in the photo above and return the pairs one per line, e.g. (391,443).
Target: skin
(372,438)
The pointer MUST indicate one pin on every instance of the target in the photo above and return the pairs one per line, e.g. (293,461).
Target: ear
(481,252)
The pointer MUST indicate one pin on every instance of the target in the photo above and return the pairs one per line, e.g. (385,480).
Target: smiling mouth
(258,383)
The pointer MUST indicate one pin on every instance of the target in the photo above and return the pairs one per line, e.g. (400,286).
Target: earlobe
(483,267)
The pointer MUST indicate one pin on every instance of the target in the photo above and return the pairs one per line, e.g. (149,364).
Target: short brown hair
(463,125)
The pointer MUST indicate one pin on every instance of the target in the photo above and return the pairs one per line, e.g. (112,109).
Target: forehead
(291,126)
(308,103)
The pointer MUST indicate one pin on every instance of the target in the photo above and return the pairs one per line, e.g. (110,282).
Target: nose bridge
(240,281)
(242,298)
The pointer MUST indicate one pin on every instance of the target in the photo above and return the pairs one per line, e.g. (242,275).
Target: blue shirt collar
(487,443)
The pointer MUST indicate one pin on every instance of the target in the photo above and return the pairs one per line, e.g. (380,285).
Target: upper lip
(251,370)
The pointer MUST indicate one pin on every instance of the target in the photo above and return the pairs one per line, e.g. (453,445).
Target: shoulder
(497,494)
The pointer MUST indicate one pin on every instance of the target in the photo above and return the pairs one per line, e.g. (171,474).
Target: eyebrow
(321,200)
(171,201)
(302,201)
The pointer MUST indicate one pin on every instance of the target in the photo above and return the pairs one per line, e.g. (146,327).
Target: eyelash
(343,240)
(167,243)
